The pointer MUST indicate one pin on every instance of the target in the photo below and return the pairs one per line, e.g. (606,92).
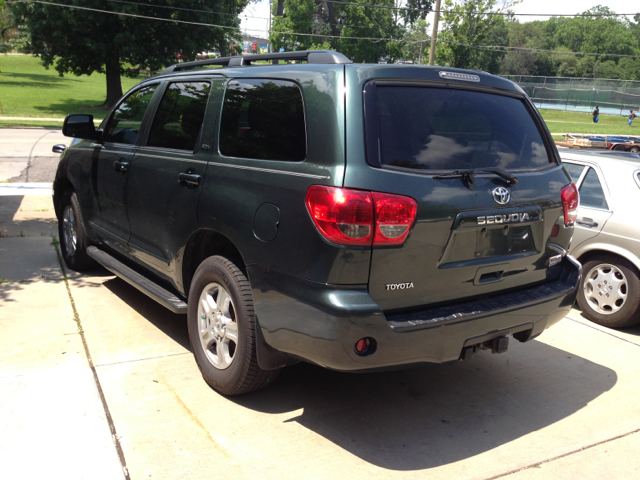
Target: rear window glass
(574,170)
(444,129)
(263,119)
(591,193)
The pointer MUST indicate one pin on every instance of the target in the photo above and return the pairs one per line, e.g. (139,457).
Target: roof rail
(310,56)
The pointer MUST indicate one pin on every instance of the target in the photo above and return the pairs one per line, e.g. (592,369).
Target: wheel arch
(598,250)
(205,243)
(61,185)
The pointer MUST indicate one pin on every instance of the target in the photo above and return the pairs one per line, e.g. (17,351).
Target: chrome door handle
(189,180)
(586,222)
(121,166)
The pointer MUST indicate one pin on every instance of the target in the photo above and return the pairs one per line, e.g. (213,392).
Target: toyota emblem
(501,195)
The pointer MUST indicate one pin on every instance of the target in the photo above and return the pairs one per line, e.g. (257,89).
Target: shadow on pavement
(423,417)
(436,415)
(171,324)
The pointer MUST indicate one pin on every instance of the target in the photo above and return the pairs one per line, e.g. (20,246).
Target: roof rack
(310,56)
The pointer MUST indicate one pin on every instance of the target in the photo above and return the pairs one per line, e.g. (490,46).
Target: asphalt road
(26,156)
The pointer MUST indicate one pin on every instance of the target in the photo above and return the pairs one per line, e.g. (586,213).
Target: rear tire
(73,239)
(610,292)
(619,148)
(222,328)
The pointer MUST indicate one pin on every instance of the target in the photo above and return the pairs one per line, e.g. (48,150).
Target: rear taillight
(394,217)
(343,216)
(570,201)
(356,217)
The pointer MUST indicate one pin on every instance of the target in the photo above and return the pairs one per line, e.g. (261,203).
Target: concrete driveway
(98,381)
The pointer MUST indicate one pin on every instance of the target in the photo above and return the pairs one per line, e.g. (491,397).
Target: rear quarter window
(264,120)
(432,128)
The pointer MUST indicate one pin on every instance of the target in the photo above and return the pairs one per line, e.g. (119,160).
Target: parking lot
(98,381)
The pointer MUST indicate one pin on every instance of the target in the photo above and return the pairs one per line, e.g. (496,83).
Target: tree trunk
(114,83)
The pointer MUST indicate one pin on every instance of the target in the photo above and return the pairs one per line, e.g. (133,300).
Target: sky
(259,26)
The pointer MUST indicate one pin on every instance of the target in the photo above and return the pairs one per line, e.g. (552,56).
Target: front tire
(222,328)
(73,239)
(610,292)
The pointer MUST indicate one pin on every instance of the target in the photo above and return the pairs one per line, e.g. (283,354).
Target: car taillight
(343,216)
(356,217)
(394,217)
(570,201)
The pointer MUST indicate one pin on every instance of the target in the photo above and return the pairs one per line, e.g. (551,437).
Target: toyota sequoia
(358,217)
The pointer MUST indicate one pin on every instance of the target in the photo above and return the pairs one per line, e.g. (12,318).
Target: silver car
(606,239)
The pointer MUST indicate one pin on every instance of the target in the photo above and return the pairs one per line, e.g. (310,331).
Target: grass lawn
(570,122)
(27,89)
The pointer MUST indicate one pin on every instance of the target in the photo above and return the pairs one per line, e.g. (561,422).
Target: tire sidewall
(623,317)
(72,260)
(214,270)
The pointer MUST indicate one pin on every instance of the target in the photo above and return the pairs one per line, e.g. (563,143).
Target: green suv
(355,216)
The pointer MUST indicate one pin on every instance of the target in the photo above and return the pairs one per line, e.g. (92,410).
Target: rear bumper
(322,323)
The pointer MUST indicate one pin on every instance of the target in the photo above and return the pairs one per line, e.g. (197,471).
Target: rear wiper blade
(468,175)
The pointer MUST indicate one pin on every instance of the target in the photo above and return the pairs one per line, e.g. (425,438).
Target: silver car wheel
(217,326)
(605,288)
(69,230)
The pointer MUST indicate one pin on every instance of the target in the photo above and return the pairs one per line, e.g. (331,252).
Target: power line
(534,50)
(508,13)
(77,7)
(185,9)
(374,39)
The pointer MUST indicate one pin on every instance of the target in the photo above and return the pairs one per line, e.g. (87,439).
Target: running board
(142,283)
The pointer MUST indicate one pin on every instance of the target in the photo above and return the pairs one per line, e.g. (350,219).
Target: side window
(124,125)
(574,170)
(178,121)
(263,119)
(591,193)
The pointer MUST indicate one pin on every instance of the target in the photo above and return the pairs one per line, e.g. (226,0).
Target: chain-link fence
(614,97)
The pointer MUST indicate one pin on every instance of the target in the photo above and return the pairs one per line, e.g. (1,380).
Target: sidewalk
(53,423)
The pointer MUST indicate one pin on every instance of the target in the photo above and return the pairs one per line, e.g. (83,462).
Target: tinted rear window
(445,129)
(263,119)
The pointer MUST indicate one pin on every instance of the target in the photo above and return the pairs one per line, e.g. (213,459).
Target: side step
(146,286)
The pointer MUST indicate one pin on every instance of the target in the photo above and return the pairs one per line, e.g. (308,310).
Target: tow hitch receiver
(496,345)
(499,345)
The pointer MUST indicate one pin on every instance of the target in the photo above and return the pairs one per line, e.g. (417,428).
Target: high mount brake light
(570,201)
(356,217)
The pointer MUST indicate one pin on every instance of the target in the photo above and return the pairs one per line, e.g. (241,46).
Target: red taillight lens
(348,217)
(394,217)
(570,201)
(343,216)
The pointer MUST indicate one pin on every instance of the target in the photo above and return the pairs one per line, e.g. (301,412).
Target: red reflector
(394,218)
(343,216)
(570,200)
(555,230)
(361,345)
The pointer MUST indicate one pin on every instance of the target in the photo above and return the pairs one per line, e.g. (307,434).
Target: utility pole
(269,31)
(434,35)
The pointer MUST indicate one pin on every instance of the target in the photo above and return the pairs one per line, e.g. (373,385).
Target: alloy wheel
(217,326)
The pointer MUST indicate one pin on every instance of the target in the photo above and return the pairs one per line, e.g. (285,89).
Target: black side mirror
(81,126)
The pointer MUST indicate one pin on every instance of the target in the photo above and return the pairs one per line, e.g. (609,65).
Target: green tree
(464,32)
(304,24)
(81,42)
